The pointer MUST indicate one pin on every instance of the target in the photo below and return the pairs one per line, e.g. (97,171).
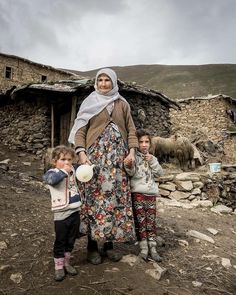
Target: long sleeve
(131,130)
(155,167)
(53,177)
(80,137)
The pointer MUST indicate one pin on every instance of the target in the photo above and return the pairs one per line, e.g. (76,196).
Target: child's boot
(59,269)
(69,268)
(153,251)
(144,249)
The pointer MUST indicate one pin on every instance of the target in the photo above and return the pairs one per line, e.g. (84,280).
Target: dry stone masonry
(205,119)
(25,127)
(205,189)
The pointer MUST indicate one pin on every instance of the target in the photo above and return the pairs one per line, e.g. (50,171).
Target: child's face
(64,160)
(144,144)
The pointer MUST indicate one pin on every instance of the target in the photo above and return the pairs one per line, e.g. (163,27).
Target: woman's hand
(83,159)
(128,162)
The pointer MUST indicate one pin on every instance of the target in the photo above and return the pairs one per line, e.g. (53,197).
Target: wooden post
(73,112)
(52,126)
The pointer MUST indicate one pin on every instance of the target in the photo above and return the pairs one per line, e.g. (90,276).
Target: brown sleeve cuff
(79,149)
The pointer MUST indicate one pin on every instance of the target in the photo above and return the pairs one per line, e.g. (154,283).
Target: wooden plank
(64,128)
(73,111)
(52,126)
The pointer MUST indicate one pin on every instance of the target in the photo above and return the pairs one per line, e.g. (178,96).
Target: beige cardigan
(121,116)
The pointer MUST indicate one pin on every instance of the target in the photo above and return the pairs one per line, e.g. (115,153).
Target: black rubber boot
(111,253)
(93,255)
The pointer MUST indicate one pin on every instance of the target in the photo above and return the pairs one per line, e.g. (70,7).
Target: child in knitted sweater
(66,202)
(144,192)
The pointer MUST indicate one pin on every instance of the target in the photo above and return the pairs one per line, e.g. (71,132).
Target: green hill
(180,81)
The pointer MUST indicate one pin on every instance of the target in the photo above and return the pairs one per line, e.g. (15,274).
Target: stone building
(16,71)
(41,115)
(205,118)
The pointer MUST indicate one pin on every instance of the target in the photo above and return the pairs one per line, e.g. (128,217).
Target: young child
(66,201)
(144,191)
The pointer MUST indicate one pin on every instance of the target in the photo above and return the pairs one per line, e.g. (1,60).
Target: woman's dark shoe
(113,255)
(94,257)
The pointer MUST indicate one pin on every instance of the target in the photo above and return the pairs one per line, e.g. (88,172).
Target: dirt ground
(26,239)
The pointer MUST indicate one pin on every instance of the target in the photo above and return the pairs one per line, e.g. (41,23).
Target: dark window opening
(43,78)
(8,73)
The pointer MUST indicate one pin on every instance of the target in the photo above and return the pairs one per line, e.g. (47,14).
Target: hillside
(180,81)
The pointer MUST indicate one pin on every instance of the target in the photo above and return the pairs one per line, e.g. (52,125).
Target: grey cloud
(85,34)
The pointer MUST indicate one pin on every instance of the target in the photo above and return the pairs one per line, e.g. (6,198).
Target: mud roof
(76,86)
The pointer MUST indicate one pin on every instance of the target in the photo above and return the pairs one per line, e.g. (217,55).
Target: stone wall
(157,114)
(26,127)
(199,189)
(206,118)
(25,71)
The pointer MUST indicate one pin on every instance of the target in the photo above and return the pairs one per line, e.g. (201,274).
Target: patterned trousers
(144,207)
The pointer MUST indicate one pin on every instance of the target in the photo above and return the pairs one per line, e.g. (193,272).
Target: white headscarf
(95,103)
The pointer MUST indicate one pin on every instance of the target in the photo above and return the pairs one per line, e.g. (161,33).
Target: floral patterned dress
(107,210)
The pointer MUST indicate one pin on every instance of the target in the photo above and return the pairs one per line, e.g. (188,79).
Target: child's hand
(67,168)
(148,157)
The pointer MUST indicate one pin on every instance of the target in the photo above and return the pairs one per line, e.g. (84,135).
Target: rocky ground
(190,265)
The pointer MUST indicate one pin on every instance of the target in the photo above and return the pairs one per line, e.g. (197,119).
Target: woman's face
(104,84)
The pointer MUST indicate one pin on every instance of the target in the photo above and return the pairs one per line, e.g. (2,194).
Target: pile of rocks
(205,189)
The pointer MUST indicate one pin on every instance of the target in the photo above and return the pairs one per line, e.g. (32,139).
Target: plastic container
(84,172)
(215,167)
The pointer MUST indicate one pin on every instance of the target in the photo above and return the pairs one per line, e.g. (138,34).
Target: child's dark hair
(143,132)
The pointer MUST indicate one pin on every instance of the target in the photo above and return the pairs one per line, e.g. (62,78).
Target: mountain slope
(180,81)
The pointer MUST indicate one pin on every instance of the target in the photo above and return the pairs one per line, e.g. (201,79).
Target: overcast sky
(88,34)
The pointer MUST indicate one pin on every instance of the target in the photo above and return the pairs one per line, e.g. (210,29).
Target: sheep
(163,148)
(175,146)
(184,152)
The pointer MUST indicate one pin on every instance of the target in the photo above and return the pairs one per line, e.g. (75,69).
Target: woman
(104,135)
